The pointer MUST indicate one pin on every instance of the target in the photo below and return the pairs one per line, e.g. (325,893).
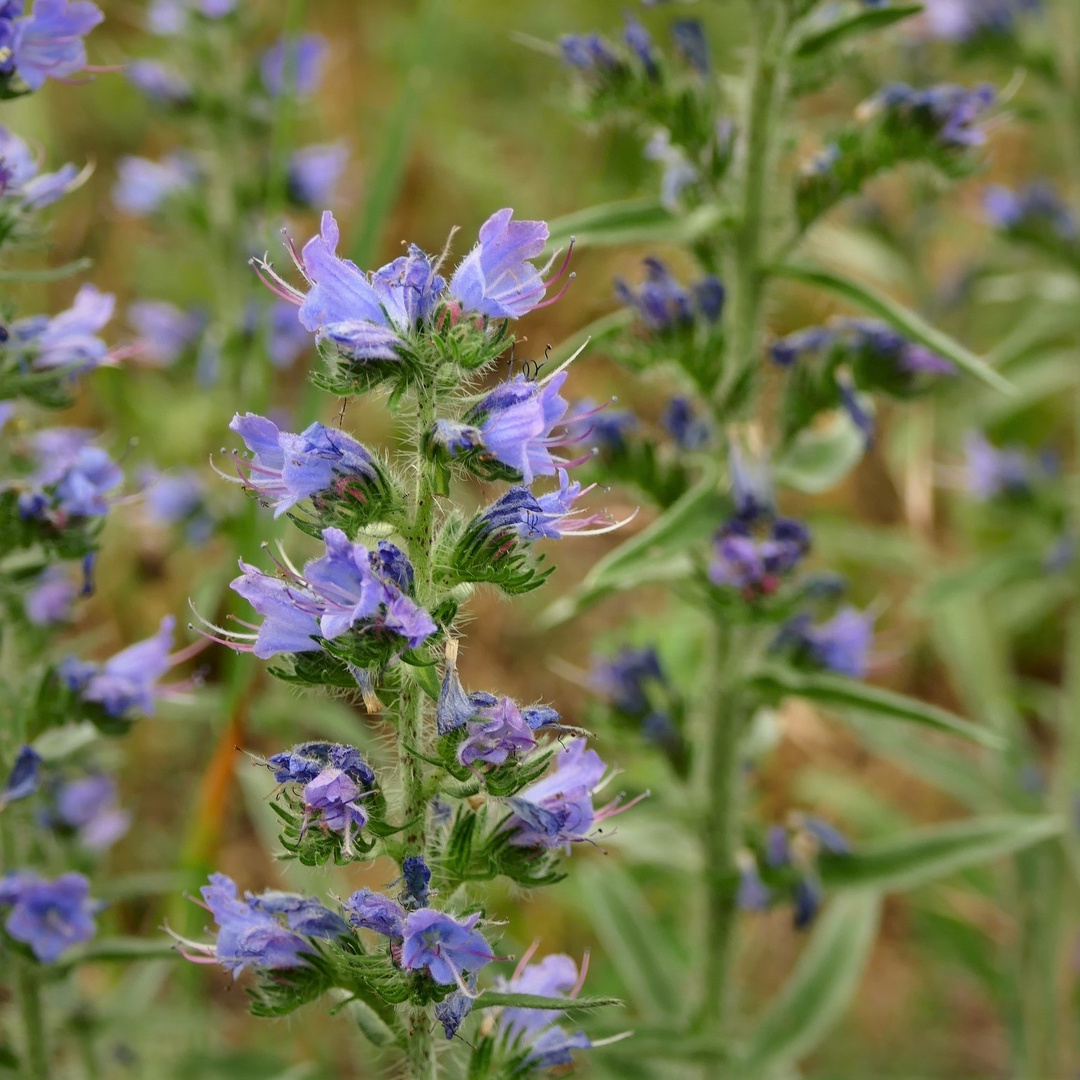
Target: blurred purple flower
(664,305)
(689,430)
(24,778)
(678,175)
(68,340)
(314,172)
(143,186)
(51,597)
(691,42)
(48,43)
(165,331)
(159,82)
(841,645)
(299,61)
(20,177)
(992,473)
(49,916)
(90,807)
(170,16)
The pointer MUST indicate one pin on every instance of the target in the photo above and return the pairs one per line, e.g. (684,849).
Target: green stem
(414,716)
(37,1056)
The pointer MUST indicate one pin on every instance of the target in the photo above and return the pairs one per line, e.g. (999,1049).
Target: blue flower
(367,910)
(447,948)
(299,60)
(178,498)
(500,734)
(679,174)
(48,43)
(68,341)
(842,644)
(333,797)
(285,469)
(992,473)
(73,478)
(605,429)
(21,180)
(549,516)
(273,931)
(159,82)
(416,879)
(588,52)
(314,172)
(51,598)
(691,42)
(452,1011)
(497,278)
(1036,207)
(286,339)
(951,111)
(515,423)
(290,612)
(89,807)
(127,682)
(165,331)
(624,678)
(49,916)
(305,762)
(690,431)
(813,341)
(753,894)
(24,778)
(553,1047)
(640,44)
(558,810)
(756,563)
(664,305)
(144,186)
(963,20)
(170,16)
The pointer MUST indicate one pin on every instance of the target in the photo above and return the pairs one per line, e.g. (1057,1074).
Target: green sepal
(475,554)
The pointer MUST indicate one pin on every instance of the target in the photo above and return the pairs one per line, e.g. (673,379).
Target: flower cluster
(45,44)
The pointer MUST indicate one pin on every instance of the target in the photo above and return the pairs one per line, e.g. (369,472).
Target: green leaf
(491,998)
(928,854)
(598,331)
(863,23)
(836,691)
(56,744)
(819,458)
(902,318)
(650,556)
(631,221)
(820,988)
(122,949)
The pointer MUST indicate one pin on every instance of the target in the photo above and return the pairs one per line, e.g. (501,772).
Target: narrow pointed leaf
(902,318)
(820,988)
(630,221)
(930,854)
(838,692)
(490,998)
(863,23)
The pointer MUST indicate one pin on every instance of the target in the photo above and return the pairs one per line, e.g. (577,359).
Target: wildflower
(20,178)
(807,900)
(169,16)
(755,563)
(497,278)
(286,339)
(640,44)
(549,516)
(992,472)
(51,598)
(305,762)
(813,341)
(178,498)
(286,469)
(751,486)
(165,331)
(679,174)
(589,52)
(625,677)
(48,43)
(159,82)
(333,797)
(89,807)
(753,894)
(127,682)
(455,708)
(964,20)
(503,732)
(294,65)
(452,1011)
(691,42)
(416,879)
(144,186)
(1035,209)
(272,930)
(367,910)
(842,644)
(828,836)
(605,428)
(448,948)
(290,613)
(68,341)
(690,432)
(314,172)
(49,916)
(24,778)
(558,810)
(949,113)
(73,478)
(664,305)
(514,424)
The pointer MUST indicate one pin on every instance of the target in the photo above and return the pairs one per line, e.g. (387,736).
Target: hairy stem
(37,1055)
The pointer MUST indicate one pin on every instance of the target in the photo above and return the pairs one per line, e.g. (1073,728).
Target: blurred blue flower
(1037,206)
(446,947)
(842,644)
(952,111)
(49,916)
(159,82)
(664,305)
(143,186)
(640,44)
(692,44)
(165,331)
(170,16)
(299,60)
(588,52)
(314,172)
(67,341)
(991,473)
(690,430)
(963,20)
(678,175)
(24,778)
(416,881)
(50,598)
(89,806)
(20,178)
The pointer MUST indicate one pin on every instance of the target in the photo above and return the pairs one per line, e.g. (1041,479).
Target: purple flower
(515,423)
(294,65)
(367,910)
(554,976)
(416,880)
(20,178)
(272,931)
(558,810)
(286,469)
(314,172)
(333,796)
(1035,208)
(24,778)
(178,498)
(625,679)
(68,341)
(165,331)
(305,762)
(446,947)
(665,306)
(500,734)
(827,836)
(72,480)
(170,16)
(48,43)
(992,473)
(549,516)
(589,53)
(690,431)
(812,342)
(159,82)
(641,45)
(497,278)
(690,40)
(286,339)
(49,916)
(452,1011)
(290,612)
(51,598)
(842,644)
(753,894)
(807,900)
(679,174)
(127,682)
(963,20)
(951,112)
(553,1047)
(605,429)
(143,186)
(89,806)
(755,563)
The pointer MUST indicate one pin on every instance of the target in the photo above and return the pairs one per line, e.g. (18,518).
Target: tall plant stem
(414,715)
(720,785)
(37,1055)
